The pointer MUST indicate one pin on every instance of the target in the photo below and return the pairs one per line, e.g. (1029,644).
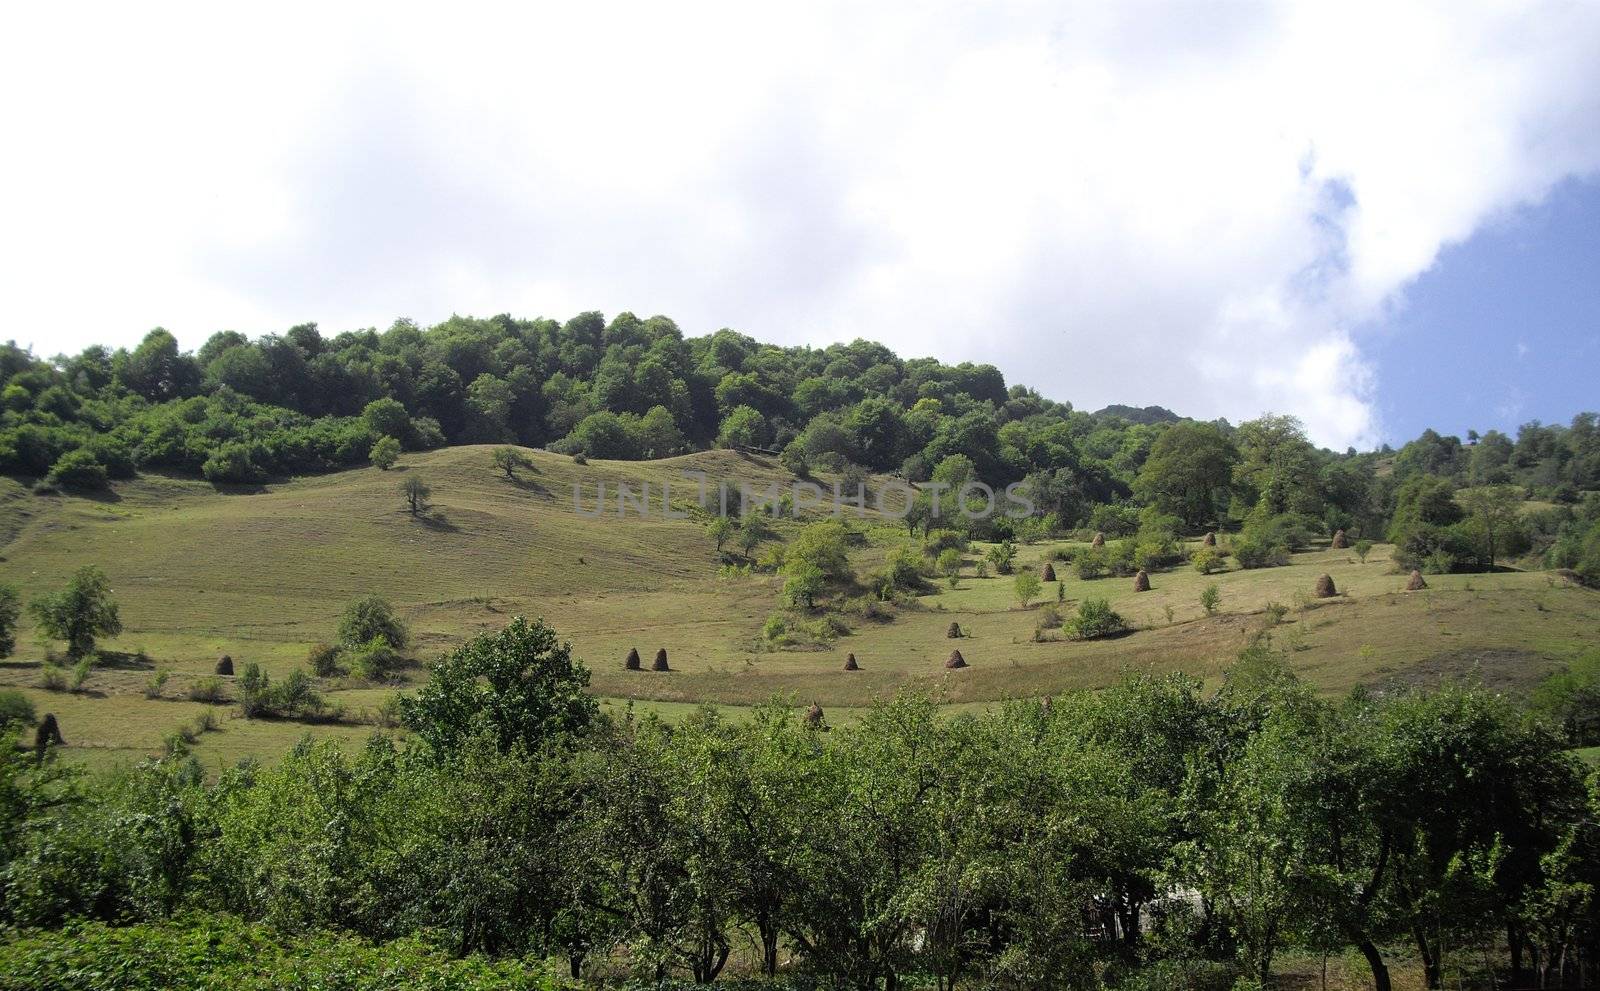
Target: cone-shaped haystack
(1416,584)
(1098,541)
(850,663)
(954,632)
(1339,541)
(956,660)
(814,715)
(633,663)
(1049,572)
(1141,581)
(49,732)
(661,661)
(1325,589)
(1210,541)
(225,666)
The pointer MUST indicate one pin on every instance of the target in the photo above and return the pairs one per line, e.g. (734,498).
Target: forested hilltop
(243,411)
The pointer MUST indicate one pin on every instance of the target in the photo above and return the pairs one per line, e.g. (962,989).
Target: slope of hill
(263,576)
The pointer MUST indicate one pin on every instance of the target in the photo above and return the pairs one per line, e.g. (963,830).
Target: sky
(1376,217)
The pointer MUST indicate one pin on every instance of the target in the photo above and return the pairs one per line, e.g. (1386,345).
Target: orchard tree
(521,685)
(80,613)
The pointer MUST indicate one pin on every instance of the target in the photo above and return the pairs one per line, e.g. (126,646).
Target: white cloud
(1196,205)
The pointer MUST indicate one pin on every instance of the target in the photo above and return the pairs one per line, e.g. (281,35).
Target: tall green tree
(80,613)
(1189,472)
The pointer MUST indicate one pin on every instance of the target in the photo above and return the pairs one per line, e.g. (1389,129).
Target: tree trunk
(1429,956)
(575,965)
(1380,971)
(769,949)
(1514,943)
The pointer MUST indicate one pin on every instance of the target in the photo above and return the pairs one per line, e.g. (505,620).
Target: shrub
(15,710)
(52,677)
(207,689)
(902,569)
(1001,556)
(1095,618)
(936,542)
(1027,586)
(370,617)
(1440,562)
(233,463)
(1251,553)
(385,453)
(1119,558)
(79,674)
(1210,598)
(1050,618)
(1363,548)
(775,627)
(374,660)
(1090,563)
(158,681)
(950,562)
(79,469)
(323,660)
(1206,560)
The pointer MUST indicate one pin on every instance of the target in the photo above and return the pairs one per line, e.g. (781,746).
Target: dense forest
(243,411)
(1153,835)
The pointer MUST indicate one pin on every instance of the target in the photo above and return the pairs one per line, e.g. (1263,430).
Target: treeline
(241,410)
(1150,836)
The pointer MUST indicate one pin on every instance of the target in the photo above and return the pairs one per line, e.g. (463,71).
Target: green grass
(263,577)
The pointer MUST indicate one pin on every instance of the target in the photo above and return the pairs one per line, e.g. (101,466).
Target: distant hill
(1137,414)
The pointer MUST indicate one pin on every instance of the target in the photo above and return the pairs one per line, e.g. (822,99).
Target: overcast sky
(1220,208)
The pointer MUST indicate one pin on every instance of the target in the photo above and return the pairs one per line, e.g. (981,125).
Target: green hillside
(263,574)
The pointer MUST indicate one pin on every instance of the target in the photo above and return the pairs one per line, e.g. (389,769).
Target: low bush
(213,951)
(208,689)
(1095,618)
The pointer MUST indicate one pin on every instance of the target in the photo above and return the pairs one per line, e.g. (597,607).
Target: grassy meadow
(263,574)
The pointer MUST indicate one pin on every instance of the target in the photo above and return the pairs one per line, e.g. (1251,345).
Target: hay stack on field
(1339,541)
(814,716)
(661,661)
(1049,572)
(1416,584)
(1325,589)
(225,666)
(956,660)
(1210,541)
(633,663)
(954,632)
(49,732)
(1141,581)
(1098,541)
(850,663)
